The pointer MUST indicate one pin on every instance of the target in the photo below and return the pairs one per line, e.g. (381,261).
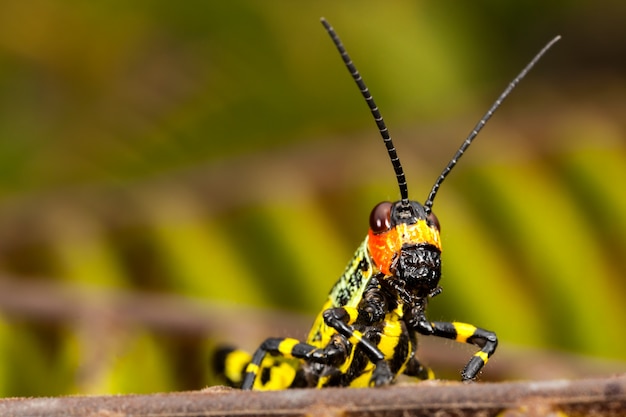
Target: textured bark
(588,397)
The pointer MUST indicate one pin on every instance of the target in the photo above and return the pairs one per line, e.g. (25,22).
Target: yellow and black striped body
(352,292)
(366,333)
(389,334)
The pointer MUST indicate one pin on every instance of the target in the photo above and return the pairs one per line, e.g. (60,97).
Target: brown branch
(597,397)
(65,305)
(57,303)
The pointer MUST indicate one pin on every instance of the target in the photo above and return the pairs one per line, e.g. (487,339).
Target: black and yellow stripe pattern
(467,333)
(383,352)
(366,333)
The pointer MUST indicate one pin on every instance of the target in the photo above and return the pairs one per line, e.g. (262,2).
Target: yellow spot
(322,381)
(419,232)
(235,363)
(397,313)
(281,377)
(286,347)
(356,337)
(389,339)
(252,368)
(482,355)
(353,313)
(463,331)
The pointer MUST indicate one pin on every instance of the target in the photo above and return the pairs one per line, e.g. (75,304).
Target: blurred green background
(179,174)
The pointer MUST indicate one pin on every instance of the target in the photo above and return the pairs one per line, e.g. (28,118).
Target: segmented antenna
(481,123)
(382,128)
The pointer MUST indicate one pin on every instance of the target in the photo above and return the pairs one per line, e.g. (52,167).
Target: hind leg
(263,373)
(287,348)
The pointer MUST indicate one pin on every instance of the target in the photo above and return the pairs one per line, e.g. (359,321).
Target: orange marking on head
(384,246)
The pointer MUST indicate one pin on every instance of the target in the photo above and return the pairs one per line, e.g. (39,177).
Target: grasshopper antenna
(481,123)
(382,128)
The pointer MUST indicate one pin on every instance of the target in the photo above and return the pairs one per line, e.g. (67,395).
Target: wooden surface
(596,397)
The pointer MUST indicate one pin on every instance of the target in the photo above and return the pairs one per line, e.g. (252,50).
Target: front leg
(464,333)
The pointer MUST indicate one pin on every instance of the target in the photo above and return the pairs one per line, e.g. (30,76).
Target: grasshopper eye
(380,218)
(432,219)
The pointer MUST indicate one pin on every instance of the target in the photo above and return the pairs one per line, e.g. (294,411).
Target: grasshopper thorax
(403,241)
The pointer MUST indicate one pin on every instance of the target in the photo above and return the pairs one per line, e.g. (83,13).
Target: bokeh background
(175,175)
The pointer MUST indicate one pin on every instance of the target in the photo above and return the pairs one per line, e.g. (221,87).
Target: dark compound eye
(434,220)
(380,218)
